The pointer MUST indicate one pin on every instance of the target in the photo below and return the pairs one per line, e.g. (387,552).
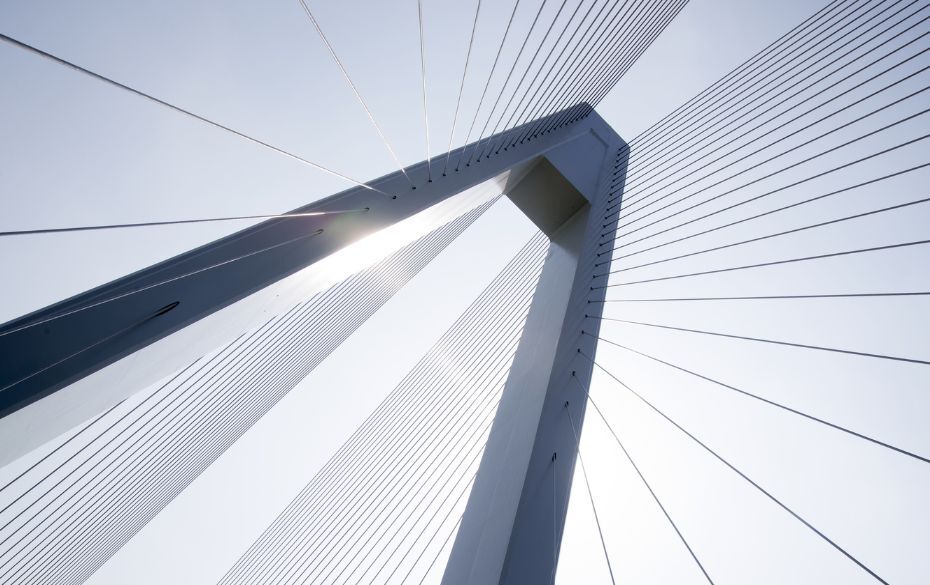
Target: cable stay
(358,96)
(113,226)
(629,458)
(113,83)
(758,487)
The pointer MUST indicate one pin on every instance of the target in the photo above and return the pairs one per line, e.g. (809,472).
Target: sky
(76,151)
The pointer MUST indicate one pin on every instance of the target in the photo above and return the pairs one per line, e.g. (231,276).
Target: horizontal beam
(46,352)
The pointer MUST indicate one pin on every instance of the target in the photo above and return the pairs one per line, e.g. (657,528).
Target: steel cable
(61,61)
(758,487)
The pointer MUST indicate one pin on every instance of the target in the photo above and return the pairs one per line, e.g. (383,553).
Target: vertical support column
(512,527)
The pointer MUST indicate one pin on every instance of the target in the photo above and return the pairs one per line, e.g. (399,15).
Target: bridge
(701,356)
